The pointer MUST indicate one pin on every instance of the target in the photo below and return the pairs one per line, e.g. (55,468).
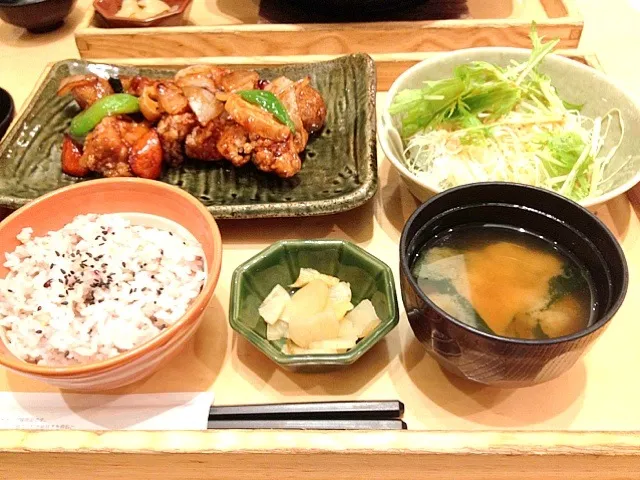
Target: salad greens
(489,122)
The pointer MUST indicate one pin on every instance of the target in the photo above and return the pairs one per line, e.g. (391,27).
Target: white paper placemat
(62,411)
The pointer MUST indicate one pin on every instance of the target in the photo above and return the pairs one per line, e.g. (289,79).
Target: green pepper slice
(116,104)
(269,102)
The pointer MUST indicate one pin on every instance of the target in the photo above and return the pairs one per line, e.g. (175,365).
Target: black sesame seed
(65,303)
(113,233)
(104,232)
(9,290)
(39,308)
(171,233)
(51,266)
(130,291)
(158,291)
(124,265)
(161,251)
(101,300)
(100,244)
(60,280)
(47,284)
(72,272)
(153,277)
(89,254)
(61,295)
(97,237)
(63,271)
(57,253)
(38,331)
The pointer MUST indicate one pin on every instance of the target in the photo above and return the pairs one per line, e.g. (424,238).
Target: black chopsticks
(349,415)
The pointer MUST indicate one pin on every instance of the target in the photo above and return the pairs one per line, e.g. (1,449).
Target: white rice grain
(95,288)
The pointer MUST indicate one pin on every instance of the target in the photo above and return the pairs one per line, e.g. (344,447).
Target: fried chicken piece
(255,120)
(86,89)
(311,106)
(173,130)
(117,147)
(226,139)
(240,80)
(201,143)
(234,144)
(106,148)
(280,158)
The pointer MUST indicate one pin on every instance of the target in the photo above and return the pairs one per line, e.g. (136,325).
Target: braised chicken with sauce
(203,113)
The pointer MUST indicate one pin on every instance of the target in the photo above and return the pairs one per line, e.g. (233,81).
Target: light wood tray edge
(464,455)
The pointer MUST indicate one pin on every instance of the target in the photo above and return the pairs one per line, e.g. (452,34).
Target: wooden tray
(583,426)
(235,28)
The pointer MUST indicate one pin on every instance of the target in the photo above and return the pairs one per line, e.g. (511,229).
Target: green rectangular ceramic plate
(339,169)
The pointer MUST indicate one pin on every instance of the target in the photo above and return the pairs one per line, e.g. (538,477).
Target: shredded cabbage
(489,123)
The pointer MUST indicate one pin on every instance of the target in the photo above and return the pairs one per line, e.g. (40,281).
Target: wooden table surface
(599,394)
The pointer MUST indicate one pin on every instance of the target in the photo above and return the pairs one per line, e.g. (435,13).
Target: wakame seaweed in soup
(505,281)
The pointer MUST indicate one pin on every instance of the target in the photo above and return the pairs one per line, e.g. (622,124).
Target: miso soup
(506,281)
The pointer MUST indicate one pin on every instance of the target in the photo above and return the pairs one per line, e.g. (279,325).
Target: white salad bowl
(575,83)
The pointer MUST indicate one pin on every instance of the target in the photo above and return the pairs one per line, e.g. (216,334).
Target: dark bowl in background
(491,359)
(359,7)
(37,16)
(106,11)
(7,111)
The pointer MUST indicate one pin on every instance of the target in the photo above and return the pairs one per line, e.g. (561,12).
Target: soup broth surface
(505,281)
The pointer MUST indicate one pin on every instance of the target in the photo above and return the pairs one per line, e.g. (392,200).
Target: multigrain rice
(95,288)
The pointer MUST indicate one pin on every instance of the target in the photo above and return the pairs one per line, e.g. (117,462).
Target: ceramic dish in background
(489,358)
(125,195)
(339,169)
(37,16)
(106,11)
(575,82)
(7,111)
(252,281)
